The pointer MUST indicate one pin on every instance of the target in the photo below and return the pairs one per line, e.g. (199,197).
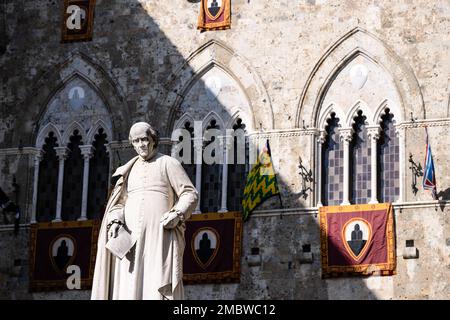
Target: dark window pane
(98,177)
(73,180)
(48,181)
(332,170)
(388,160)
(360,162)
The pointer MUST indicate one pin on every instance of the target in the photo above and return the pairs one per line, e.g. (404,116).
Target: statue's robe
(153,267)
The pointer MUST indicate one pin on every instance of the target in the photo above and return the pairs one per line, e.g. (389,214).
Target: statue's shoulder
(167,160)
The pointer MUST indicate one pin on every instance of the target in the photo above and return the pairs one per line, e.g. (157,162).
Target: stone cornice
(123,144)
(17,151)
(443,122)
(284,133)
(314,210)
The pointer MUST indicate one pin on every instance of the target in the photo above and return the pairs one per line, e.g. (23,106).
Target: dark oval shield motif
(356,236)
(214,8)
(205,245)
(62,251)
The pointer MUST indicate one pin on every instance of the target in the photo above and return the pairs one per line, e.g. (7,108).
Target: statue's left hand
(114,230)
(170,220)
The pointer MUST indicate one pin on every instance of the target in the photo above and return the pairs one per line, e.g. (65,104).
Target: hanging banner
(214,15)
(357,239)
(78,20)
(213,248)
(62,255)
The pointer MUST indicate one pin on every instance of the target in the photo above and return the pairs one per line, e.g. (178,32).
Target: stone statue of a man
(152,199)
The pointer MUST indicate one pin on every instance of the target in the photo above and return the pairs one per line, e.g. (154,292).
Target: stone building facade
(341,84)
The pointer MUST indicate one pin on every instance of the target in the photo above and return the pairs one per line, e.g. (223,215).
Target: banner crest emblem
(62,251)
(356,236)
(214,8)
(205,245)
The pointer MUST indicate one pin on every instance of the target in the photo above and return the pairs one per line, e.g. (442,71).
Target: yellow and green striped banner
(261,182)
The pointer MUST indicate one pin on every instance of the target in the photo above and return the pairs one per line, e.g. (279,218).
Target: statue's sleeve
(183,187)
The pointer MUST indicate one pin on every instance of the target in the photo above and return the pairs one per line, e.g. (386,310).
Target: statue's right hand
(114,230)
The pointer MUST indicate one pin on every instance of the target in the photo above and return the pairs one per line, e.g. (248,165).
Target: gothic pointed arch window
(332,164)
(211,191)
(360,161)
(213,98)
(79,167)
(388,160)
(48,180)
(98,176)
(368,144)
(237,169)
(73,179)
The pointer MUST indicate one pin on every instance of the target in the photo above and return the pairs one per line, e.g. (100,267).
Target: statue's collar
(150,158)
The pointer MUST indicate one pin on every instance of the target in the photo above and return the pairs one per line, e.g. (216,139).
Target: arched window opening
(388,160)
(48,181)
(211,188)
(98,177)
(73,179)
(237,174)
(360,153)
(190,167)
(332,164)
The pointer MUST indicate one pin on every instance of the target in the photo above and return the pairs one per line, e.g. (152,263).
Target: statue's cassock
(153,268)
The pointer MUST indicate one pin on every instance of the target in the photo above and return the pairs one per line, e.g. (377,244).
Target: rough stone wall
(143,52)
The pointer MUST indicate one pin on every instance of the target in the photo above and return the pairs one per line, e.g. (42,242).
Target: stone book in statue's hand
(122,244)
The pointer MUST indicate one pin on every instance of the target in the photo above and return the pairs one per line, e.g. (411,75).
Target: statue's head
(144,139)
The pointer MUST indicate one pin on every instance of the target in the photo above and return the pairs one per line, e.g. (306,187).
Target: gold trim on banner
(387,268)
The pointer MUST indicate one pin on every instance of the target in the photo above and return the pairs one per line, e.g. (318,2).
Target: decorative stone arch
(210,116)
(216,54)
(43,134)
(353,112)
(183,119)
(236,115)
(358,42)
(379,111)
(52,81)
(325,115)
(69,131)
(94,129)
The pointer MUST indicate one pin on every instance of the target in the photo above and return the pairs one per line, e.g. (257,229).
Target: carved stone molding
(444,122)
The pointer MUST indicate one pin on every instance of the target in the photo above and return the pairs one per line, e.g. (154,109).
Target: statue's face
(142,143)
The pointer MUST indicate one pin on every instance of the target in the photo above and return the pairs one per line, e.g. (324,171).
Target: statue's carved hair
(151,132)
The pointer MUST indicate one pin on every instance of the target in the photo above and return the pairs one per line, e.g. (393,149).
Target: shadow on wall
(141,73)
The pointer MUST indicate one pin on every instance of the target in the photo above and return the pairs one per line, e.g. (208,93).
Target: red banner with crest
(357,240)
(63,250)
(214,15)
(213,248)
